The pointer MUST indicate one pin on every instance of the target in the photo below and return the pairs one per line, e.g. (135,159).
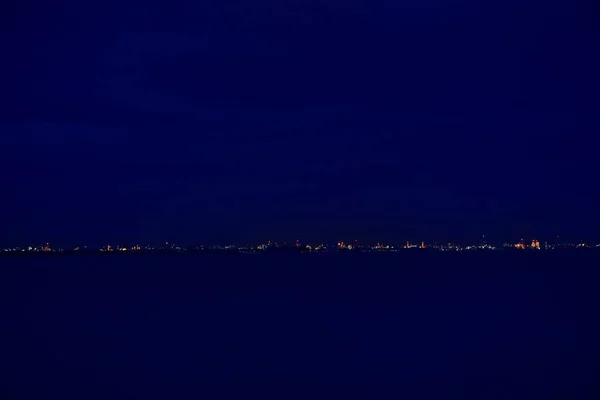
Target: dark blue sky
(236,121)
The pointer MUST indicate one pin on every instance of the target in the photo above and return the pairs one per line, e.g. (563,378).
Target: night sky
(242,121)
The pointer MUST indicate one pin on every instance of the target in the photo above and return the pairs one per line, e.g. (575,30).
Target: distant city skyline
(314,246)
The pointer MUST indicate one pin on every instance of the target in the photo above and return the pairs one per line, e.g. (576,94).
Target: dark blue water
(412,325)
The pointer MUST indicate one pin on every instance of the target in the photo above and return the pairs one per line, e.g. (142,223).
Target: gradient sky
(242,121)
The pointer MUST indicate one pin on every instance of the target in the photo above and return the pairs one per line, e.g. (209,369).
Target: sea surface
(413,325)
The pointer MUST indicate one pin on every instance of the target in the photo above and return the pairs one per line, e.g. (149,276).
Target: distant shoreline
(92,253)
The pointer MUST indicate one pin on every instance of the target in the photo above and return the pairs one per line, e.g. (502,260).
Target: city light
(338,246)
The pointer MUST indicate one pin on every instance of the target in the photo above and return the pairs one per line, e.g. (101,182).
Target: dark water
(418,326)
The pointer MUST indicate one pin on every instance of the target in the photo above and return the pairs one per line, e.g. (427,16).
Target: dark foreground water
(409,325)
